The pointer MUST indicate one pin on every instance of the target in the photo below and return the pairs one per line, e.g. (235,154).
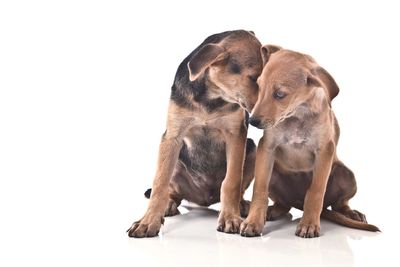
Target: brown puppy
(296,157)
(202,152)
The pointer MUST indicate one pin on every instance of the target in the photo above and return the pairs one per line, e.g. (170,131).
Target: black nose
(255,122)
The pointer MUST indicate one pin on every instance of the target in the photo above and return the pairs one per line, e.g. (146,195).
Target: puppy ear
(312,81)
(318,97)
(327,81)
(205,57)
(267,50)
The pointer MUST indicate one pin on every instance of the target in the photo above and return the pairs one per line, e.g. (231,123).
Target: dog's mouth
(266,123)
(261,123)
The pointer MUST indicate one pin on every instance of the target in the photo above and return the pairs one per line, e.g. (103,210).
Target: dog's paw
(172,209)
(229,223)
(244,208)
(250,229)
(308,229)
(148,226)
(271,214)
(275,212)
(356,215)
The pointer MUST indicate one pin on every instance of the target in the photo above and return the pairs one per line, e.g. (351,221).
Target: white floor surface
(190,239)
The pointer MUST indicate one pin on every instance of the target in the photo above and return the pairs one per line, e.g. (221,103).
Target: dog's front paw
(250,228)
(308,229)
(229,223)
(148,226)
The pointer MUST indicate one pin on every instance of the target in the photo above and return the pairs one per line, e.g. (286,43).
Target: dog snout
(256,122)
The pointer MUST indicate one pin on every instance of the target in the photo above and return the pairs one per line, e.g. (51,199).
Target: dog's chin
(268,124)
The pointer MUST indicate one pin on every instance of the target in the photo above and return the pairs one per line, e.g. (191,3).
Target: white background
(84,87)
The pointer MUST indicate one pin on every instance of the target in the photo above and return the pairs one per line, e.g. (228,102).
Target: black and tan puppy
(203,154)
(296,157)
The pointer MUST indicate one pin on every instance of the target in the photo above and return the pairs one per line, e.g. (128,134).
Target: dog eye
(253,78)
(278,95)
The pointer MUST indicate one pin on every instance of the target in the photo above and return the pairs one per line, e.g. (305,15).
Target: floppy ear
(327,81)
(267,50)
(205,57)
(318,93)
(318,98)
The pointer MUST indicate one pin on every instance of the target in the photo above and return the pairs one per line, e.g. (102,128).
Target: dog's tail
(147,193)
(339,218)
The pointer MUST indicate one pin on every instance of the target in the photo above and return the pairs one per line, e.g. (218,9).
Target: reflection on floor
(191,239)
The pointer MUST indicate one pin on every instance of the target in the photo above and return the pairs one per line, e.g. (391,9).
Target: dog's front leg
(229,218)
(170,146)
(254,223)
(309,225)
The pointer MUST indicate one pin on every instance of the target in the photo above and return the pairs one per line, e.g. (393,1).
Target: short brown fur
(296,164)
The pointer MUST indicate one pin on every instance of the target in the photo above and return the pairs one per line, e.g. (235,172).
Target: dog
(296,157)
(204,153)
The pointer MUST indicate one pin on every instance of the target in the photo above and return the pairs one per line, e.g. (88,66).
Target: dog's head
(291,84)
(231,67)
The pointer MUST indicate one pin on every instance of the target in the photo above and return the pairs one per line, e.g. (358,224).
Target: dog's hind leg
(173,203)
(172,208)
(344,186)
